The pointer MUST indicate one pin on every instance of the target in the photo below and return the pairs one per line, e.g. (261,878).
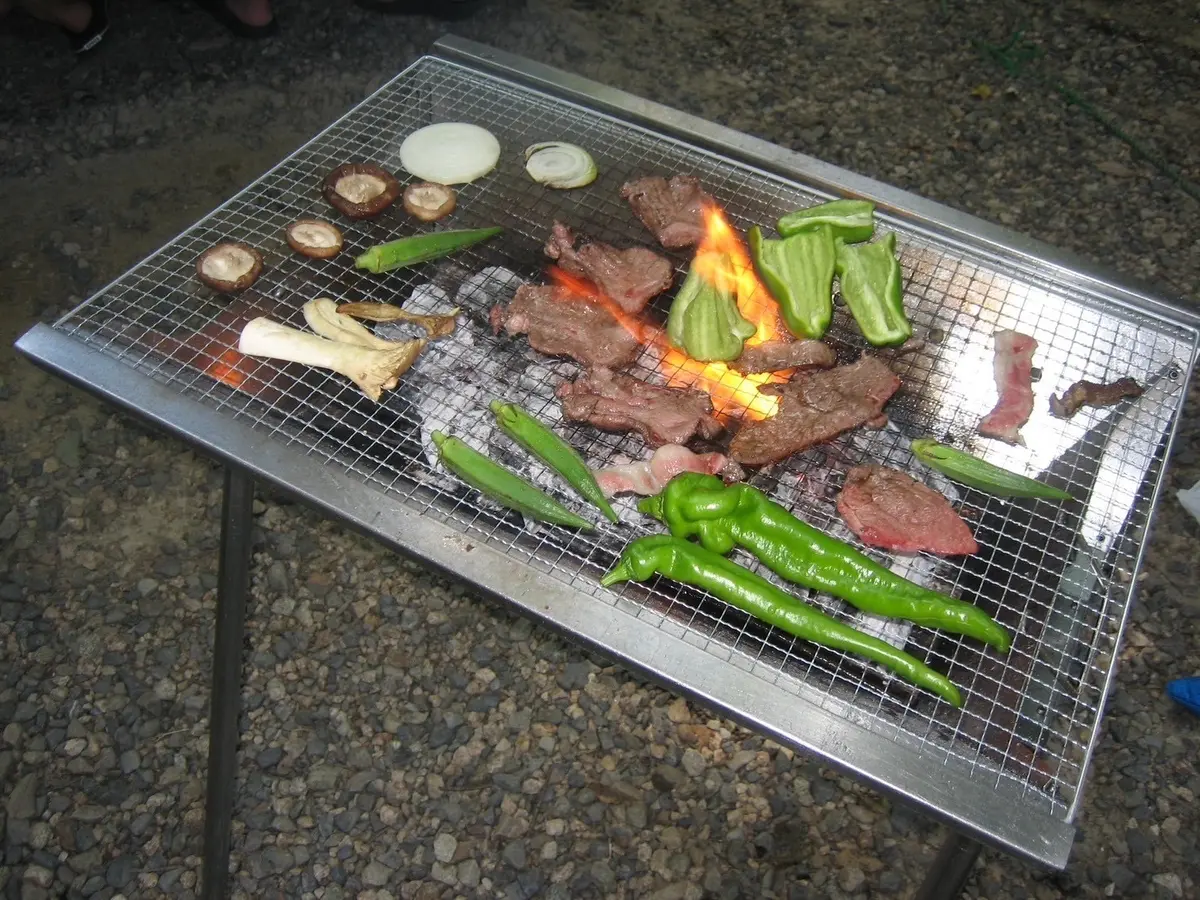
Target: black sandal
(223,14)
(87,40)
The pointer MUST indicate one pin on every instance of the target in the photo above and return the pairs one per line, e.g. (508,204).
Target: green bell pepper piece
(872,286)
(704,321)
(738,515)
(798,272)
(850,220)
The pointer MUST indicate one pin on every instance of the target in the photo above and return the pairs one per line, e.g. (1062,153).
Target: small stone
(693,762)
(678,711)
(890,882)
(147,586)
(165,689)
(376,874)
(22,802)
(74,747)
(39,835)
(741,759)
(667,778)
(12,734)
(514,854)
(39,876)
(277,577)
(9,525)
(269,757)
(468,873)
(444,873)
(574,676)
(120,871)
(851,879)
(129,761)
(1171,882)
(324,778)
(444,846)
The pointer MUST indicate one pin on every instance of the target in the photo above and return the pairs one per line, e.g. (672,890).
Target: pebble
(444,847)
(21,802)
(376,874)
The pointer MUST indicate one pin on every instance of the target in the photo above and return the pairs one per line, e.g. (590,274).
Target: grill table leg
(233,582)
(951,868)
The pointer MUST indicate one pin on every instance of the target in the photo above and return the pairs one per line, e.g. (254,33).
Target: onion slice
(560,165)
(450,153)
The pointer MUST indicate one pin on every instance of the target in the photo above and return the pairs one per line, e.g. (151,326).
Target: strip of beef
(1013,371)
(1088,393)
(627,277)
(649,476)
(661,415)
(560,323)
(888,509)
(817,407)
(775,356)
(673,210)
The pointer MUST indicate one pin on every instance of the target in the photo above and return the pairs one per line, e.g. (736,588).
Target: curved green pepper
(692,564)
(724,516)
(850,220)
(872,284)
(704,321)
(798,273)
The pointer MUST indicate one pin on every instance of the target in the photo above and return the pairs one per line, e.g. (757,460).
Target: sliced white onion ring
(450,153)
(560,165)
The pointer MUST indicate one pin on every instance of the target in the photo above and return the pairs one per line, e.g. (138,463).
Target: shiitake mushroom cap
(360,190)
(314,238)
(429,202)
(229,267)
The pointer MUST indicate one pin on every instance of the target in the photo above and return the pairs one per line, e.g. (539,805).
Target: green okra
(692,564)
(850,220)
(551,449)
(960,466)
(503,486)
(420,248)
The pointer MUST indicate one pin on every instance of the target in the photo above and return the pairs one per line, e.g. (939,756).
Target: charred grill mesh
(159,319)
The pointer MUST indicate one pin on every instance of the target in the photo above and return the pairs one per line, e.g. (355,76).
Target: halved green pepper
(704,321)
(872,285)
(798,272)
(850,220)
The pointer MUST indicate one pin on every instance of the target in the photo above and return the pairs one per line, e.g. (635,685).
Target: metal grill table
(1007,769)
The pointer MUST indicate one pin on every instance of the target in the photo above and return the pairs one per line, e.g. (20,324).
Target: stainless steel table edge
(1011,825)
(770,159)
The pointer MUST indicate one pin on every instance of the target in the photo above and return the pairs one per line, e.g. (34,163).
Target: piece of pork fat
(661,415)
(1013,371)
(816,407)
(649,476)
(673,210)
(775,356)
(887,508)
(630,278)
(560,323)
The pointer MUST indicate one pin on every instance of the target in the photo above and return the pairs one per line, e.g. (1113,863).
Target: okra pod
(680,560)
(501,485)
(850,220)
(980,474)
(420,248)
(553,451)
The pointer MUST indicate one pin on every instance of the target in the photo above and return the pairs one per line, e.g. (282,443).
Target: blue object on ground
(1186,691)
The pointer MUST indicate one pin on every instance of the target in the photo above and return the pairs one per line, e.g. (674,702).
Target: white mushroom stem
(323,318)
(374,371)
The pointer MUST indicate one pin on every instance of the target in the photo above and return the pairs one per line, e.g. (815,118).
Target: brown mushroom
(360,190)
(229,267)
(429,202)
(314,238)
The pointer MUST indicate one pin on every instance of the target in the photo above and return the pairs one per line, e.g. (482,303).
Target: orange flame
(724,262)
(578,287)
(224,368)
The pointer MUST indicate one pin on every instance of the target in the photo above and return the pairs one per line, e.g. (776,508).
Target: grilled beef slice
(775,356)
(661,415)
(560,323)
(1088,393)
(888,509)
(814,408)
(673,210)
(627,277)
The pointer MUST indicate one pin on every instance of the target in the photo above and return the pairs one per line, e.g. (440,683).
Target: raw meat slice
(560,323)
(673,210)
(630,278)
(661,415)
(817,407)
(889,509)
(650,476)
(1013,371)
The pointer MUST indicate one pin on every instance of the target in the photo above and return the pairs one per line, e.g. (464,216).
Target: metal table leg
(233,582)
(951,868)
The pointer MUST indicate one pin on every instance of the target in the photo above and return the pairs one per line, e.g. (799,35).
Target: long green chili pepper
(553,451)
(420,248)
(850,220)
(981,474)
(798,273)
(692,564)
(722,517)
(502,485)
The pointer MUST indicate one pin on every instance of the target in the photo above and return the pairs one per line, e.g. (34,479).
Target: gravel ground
(402,737)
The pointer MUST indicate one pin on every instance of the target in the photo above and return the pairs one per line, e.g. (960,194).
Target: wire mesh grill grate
(1028,719)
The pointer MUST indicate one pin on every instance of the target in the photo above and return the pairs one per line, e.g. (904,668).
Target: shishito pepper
(704,321)
(694,565)
(798,272)
(873,287)
(850,220)
(724,516)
